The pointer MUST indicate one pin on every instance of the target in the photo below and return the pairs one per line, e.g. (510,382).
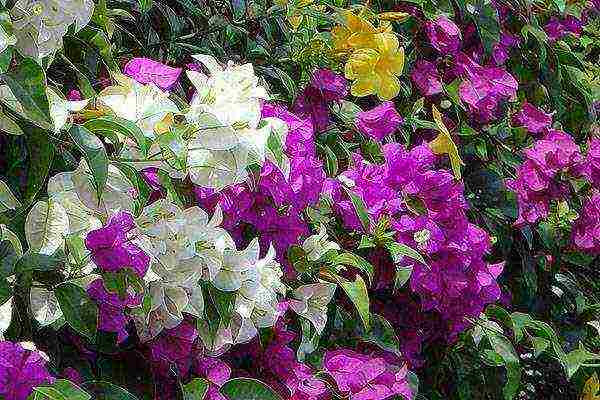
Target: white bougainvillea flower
(310,302)
(238,267)
(40,25)
(117,194)
(256,303)
(145,105)
(317,245)
(44,306)
(232,94)
(218,169)
(60,109)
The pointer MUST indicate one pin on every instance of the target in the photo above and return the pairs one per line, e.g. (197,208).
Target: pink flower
(443,35)
(426,78)
(147,71)
(380,121)
(532,118)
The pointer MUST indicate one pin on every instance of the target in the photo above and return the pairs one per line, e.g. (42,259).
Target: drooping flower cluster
(22,368)
(426,209)
(539,181)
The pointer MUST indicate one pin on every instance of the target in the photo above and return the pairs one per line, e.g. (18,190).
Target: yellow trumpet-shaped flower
(443,144)
(374,69)
(591,388)
(356,33)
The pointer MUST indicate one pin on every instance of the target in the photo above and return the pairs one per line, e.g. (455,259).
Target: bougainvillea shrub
(299,199)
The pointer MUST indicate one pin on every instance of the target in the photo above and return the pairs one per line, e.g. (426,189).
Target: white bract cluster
(186,249)
(218,135)
(39,25)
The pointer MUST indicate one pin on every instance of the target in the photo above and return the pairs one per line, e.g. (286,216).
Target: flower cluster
(375,57)
(39,26)
(538,180)
(426,209)
(22,368)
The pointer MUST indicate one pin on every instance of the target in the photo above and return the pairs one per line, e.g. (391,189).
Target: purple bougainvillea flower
(426,77)
(74,95)
(174,346)
(443,35)
(558,28)
(484,88)
(592,163)
(379,122)
(326,86)
(501,50)
(150,176)
(586,230)
(532,118)
(21,370)
(147,71)
(112,249)
(332,86)
(364,377)
(111,309)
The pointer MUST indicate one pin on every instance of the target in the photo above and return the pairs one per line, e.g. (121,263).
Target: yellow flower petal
(443,144)
(591,388)
(388,87)
(393,16)
(364,85)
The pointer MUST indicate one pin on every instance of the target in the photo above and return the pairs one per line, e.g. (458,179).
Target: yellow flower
(591,388)
(374,69)
(356,33)
(393,16)
(443,144)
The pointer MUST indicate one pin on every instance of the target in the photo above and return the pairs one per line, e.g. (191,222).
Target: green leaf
(576,358)
(486,20)
(280,75)
(400,250)
(402,276)
(145,5)
(61,390)
(196,389)
(80,312)
(355,261)
(98,40)
(382,334)
(347,111)
(361,210)
(32,261)
(109,125)
(358,294)
(107,391)
(41,156)
(248,389)
(27,81)
(94,153)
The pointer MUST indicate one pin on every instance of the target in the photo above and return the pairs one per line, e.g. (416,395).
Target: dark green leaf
(107,391)
(400,250)
(382,334)
(361,209)
(32,261)
(28,83)
(60,390)
(196,389)
(41,155)
(248,389)
(110,125)
(358,294)
(80,312)
(355,261)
